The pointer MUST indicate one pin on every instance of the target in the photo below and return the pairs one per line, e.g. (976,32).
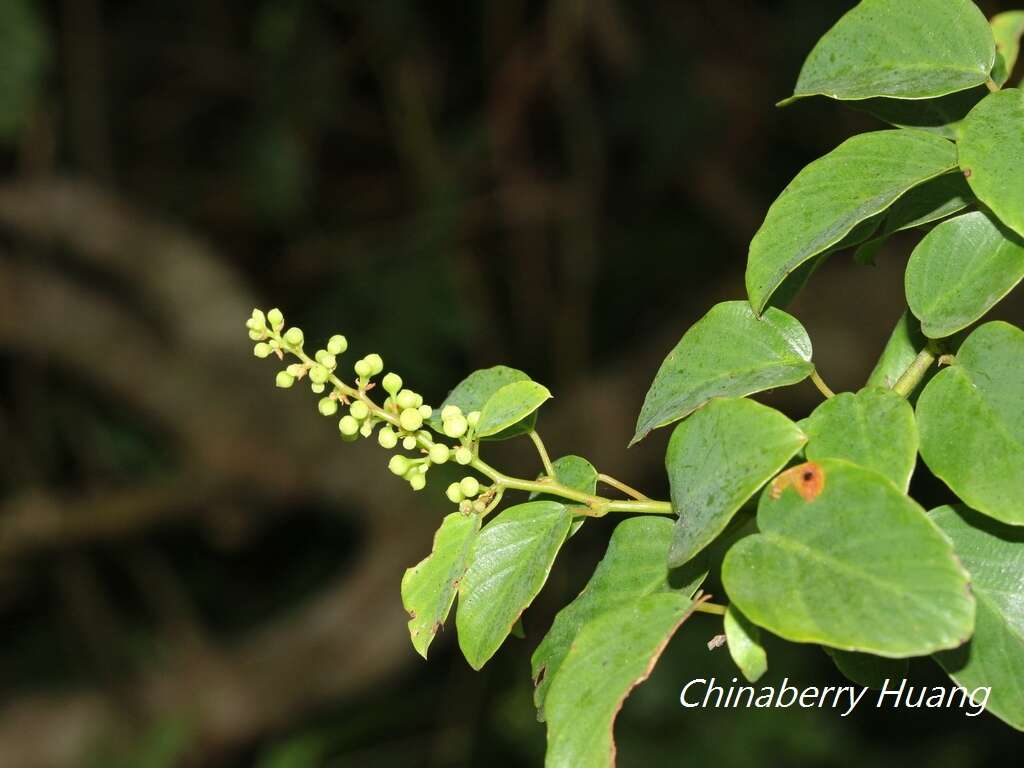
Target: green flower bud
(327,406)
(318,389)
(409,442)
(418,482)
(262,350)
(439,454)
(363,369)
(337,344)
(294,337)
(410,420)
(399,465)
(298,370)
(479,507)
(387,438)
(376,363)
(454,493)
(473,418)
(276,319)
(326,359)
(366,429)
(257,335)
(455,426)
(348,426)
(426,411)
(463,455)
(318,374)
(470,486)
(259,320)
(406,399)
(450,412)
(391,382)
(466,507)
(284,379)
(359,410)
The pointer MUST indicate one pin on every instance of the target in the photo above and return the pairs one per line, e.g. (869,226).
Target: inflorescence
(401,419)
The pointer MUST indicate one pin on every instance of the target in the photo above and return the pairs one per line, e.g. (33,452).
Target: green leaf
(573,472)
(730,352)
(716,460)
(476,389)
(941,116)
(994,555)
(868,670)
(633,566)
(874,428)
(858,567)
(611,656)
(929,202)
(905,342)
(960,270)
(510,405)
(1007,29)
(936,199)
(860,178)
(743,639)
(429,587)
(992,154)
(508,566)
(899,49)
(972,423)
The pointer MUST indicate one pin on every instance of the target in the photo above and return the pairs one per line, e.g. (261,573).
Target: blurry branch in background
(174,358)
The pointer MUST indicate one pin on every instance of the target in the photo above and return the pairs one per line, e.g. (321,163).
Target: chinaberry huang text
(707,693)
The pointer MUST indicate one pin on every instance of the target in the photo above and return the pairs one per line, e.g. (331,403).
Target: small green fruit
(348,426)
(455,426)
(406,399)
(409,442)
(318,374)
(284,379)
(366,429)
(276,319)
(399,465)
(473,418)
(410,420)
(359,410)
(454,493)
(376,363)
(262,350)
(337,344)
(327,406)
(318,389)
(463,455)
(326,359)
(470,486)
(392,382)
(439,454)
(294,336)
(418,482)
(387,438)
(363,369)
(450,412)
(426,411)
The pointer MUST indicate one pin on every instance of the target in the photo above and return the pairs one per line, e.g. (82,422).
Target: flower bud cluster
(401,418)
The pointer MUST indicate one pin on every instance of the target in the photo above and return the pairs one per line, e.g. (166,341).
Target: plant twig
(549,470)
(821,385)
(609,480)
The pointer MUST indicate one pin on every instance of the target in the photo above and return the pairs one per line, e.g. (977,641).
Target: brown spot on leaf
(807,479)
(967,173)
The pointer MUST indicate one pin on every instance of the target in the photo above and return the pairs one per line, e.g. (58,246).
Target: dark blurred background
(194,571)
